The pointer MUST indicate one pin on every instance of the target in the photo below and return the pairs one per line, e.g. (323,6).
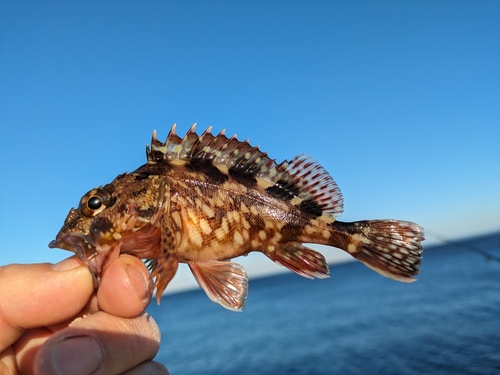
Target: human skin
(52,321)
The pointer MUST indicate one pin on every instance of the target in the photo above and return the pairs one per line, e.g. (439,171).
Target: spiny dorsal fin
(221,150)
(302,180)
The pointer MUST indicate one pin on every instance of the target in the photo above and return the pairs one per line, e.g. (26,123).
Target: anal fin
(225,283)
(301,260)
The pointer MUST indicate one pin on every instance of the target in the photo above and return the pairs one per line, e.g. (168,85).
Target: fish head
(122,216)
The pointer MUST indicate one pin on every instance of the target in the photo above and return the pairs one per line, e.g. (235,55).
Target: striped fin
(390,247)
(317,191)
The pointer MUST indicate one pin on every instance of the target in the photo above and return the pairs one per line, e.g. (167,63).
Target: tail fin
(390,247)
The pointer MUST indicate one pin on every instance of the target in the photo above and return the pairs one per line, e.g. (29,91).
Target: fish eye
(94,203)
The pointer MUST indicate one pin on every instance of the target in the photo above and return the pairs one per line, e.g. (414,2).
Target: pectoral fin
(225,283)
(301,260)
(165,266)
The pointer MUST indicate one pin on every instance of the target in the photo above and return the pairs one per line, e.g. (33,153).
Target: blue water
(356,322)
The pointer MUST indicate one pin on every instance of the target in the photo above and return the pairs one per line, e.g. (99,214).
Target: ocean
(355,322)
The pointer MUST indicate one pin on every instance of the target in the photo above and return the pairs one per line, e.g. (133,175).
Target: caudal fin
(390,247)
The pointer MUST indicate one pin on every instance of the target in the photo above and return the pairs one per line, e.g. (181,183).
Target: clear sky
(398,100)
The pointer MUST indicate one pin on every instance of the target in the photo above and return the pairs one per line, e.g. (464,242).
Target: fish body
(204,200)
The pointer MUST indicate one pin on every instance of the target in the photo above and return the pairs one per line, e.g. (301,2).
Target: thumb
(38,295)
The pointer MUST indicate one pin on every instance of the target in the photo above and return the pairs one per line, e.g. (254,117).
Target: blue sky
(398,100)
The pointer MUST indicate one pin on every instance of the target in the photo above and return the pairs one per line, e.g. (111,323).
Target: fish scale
(207,199)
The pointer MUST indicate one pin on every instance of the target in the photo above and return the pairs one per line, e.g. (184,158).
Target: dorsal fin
(221,150)
(315,185)
(302,180)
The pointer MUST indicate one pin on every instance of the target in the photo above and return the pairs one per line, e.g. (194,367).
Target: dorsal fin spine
(173,131)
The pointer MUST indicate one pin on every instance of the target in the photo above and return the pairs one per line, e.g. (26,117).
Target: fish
(207,199)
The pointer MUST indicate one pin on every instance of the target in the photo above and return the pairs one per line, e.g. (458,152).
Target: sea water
(355,322)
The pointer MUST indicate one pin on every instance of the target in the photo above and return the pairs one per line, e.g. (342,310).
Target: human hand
(53,322)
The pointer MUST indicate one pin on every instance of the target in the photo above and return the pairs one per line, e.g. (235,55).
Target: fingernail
(81,355)
(138,281)
(66,264)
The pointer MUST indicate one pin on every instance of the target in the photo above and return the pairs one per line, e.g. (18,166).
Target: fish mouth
(85,250)
(81,245)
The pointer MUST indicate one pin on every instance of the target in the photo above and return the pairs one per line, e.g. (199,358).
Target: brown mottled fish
(205,199)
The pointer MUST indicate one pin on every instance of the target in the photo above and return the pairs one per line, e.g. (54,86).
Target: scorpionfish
(205,199)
